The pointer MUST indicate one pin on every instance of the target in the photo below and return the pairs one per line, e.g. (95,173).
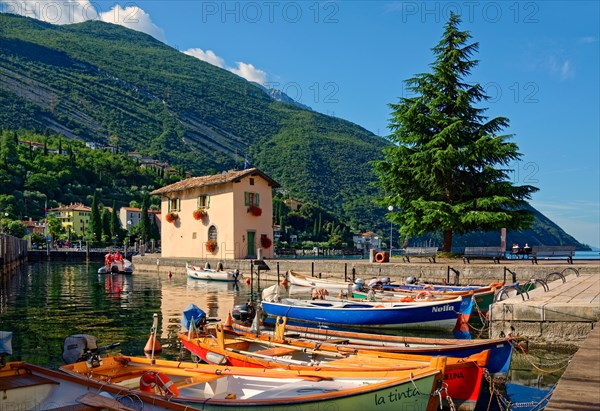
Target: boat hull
(198,273)
(427,315)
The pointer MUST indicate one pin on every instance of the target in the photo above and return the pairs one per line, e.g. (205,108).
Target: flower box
(211,246)
(265,242)
(171,217)
(199,213)
(255,211)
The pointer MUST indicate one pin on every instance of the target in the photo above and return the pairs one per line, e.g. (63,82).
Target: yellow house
(75,218)
(224,216)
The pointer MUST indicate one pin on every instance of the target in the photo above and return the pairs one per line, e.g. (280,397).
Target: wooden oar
(98,401)
(303,349)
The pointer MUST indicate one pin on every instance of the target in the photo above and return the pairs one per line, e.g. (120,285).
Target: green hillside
(100,82)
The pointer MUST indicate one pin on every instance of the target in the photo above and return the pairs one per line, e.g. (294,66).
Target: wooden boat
(304,280)
(201,273)
(463,377)
(482,298)
(26,386)
(351,341)
(210,387)
(442,314)
(123,266)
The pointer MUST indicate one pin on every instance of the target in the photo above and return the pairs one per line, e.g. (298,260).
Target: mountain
(104,83)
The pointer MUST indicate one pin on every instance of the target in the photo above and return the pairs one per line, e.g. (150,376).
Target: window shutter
(246,200)
(207,201)
(178,204)
(257,200)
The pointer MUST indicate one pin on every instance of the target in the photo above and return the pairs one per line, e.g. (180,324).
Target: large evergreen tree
(447,169)
(114,221)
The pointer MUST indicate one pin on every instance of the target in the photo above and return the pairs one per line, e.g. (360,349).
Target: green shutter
(246,199)
(178,204)
(207,201)
(257,200)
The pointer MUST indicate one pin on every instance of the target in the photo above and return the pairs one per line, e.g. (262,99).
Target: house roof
(215,179)
(72,207)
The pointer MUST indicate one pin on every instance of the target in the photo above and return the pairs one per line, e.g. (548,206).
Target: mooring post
(251,280)
(312,269)
(514,274)
(353,274)
(278,282)
(345,271)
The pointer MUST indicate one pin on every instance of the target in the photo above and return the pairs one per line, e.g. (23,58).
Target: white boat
(201,273)
(123,266)
(314,282)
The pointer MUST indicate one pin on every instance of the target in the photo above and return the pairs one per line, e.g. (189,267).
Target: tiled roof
(72,207)
(212,180)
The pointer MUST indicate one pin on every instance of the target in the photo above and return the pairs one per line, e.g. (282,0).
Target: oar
(98,401)
(292,347)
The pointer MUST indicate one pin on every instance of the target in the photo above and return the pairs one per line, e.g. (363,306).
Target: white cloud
(209,56)
(560,66)
(249,72)
(133,18)
(244,70)
(588,40)
(78,11)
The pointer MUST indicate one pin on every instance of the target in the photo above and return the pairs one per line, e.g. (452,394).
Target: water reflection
(44,303)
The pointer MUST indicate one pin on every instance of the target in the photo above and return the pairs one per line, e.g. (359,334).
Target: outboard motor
(359,283)
(83,347)
(244,312)
(411,280)
(195,314)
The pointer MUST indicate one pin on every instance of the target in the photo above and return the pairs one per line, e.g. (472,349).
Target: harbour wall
(444,270)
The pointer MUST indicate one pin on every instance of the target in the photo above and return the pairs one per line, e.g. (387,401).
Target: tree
(95,227)
(114,221)
(447,167)
(105,218)
(144,221)
(55,227)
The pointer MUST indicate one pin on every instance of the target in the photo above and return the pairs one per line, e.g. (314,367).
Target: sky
(539,64)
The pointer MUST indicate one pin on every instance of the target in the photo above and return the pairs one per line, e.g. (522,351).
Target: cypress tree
(114,221)
(144,221)
(95,227)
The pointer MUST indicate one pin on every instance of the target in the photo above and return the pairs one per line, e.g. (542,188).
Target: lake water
(45,302)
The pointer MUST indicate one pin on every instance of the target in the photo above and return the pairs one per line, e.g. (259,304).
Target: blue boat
(441,314)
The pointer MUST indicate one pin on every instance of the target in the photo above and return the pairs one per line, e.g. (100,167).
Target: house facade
(75,218)
(130,216)
(223,216)
(367,241)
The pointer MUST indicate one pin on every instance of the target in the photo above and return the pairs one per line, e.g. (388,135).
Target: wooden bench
(552,251)
(427,252)
(494,253)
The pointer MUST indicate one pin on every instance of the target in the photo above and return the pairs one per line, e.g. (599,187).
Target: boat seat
(25,380)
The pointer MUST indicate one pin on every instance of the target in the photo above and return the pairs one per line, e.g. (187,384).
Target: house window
(251,199)
(174,204)
(203,201)
(251,181)
(212,233)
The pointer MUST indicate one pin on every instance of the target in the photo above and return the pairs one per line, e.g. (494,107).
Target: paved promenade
(564,314)
(579,387)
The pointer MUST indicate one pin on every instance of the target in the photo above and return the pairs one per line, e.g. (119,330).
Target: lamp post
(390,209)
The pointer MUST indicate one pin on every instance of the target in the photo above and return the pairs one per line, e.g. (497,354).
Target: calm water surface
(43,303)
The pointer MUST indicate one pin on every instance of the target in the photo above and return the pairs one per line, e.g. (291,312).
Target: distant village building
(292,204)
(367,241)
(224,216)
(75,218)
(130,216)
(34,226)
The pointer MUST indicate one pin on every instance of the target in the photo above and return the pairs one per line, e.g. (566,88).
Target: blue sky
(539,62)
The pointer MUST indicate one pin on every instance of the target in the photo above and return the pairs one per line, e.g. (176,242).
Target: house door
(251,247)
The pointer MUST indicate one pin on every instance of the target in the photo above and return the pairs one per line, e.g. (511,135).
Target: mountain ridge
(101,82)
